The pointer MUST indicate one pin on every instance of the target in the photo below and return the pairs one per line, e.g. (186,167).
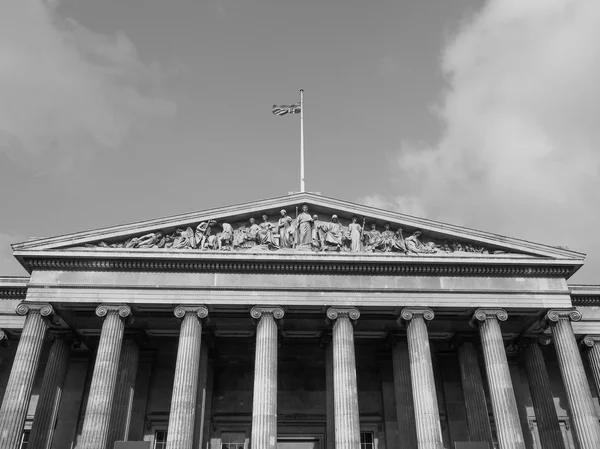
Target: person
(355,230)
(265,232)
(372,238)
(334,233)
(304,227)
(285,230)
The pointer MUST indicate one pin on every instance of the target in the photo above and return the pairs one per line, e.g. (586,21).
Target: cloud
(520,148)
(66,91)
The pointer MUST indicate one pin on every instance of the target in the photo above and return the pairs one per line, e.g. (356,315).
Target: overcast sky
(479,113)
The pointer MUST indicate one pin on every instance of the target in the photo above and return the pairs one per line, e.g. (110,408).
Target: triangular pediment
(230,229)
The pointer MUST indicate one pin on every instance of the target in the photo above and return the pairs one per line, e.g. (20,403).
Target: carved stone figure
(185,239)
(225,237)
(252,232)
(304,225)
(265,233)
(333,233)
(285,229)
(355,231)
(398,242)
(154,239)
(373,239)
(317,241)
(387,238)
(415,246)
(203,230)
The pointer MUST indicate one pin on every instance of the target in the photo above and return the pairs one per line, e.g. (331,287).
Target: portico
(295,348)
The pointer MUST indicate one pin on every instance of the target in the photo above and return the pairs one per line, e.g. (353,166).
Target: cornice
(13,287)
(322,266)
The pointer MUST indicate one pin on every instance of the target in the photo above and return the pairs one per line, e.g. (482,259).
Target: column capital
(122,309)
(258,311)
(333,313)
(554,315)
(486,314)
(59,334)
(43,309)
(199,311)
(409,313)
(591,340)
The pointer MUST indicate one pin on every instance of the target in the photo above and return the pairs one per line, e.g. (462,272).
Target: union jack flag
(286,109)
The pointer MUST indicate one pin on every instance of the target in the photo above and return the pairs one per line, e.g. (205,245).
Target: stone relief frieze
(305,232)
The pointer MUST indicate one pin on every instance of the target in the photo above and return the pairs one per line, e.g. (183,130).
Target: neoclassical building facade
(298,322)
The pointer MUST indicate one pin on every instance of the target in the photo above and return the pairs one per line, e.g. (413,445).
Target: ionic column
(52,386)
(22,375)
(504,404)
(329,399)
(264,399)
(541,396)
(125,389)
(593,355)
(478,420)
(577,388)
(405,409)
(102,389)
(180,433)
(345,388)
(427,415)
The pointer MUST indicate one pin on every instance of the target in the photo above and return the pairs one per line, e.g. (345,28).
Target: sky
(483,114)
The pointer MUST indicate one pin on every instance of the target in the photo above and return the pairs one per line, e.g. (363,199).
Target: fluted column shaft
(427,415)
(180,433)
(475,405)
(504,404)
(329,398)
(100,398)
(405,409)
(541,396)
(593,355)
(125,389)
(50,395)
(22,375)
(345,388)
(585,420)
(264,400)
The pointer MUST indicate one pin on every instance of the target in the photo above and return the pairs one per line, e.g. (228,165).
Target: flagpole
(302,140)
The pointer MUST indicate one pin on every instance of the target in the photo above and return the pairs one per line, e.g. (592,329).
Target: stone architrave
(182,417)
(575,380)
(345,387)
(264,399)
(22,375)
(593,355)
(427,415)
(46,411)
(102,389)
(405,408)
(478,421)
(541,396)
(504,403)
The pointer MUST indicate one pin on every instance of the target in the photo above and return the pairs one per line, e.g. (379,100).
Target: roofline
(460,232)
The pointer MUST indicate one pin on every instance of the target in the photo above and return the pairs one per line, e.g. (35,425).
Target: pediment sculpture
(305,232)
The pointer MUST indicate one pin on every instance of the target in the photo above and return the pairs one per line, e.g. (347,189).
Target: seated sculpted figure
(372,239)
(225,237)
(333,233)
(185,239)
(265,233)
(203,230)
(415,246)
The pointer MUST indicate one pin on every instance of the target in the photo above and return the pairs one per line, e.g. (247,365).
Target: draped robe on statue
(304,229)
